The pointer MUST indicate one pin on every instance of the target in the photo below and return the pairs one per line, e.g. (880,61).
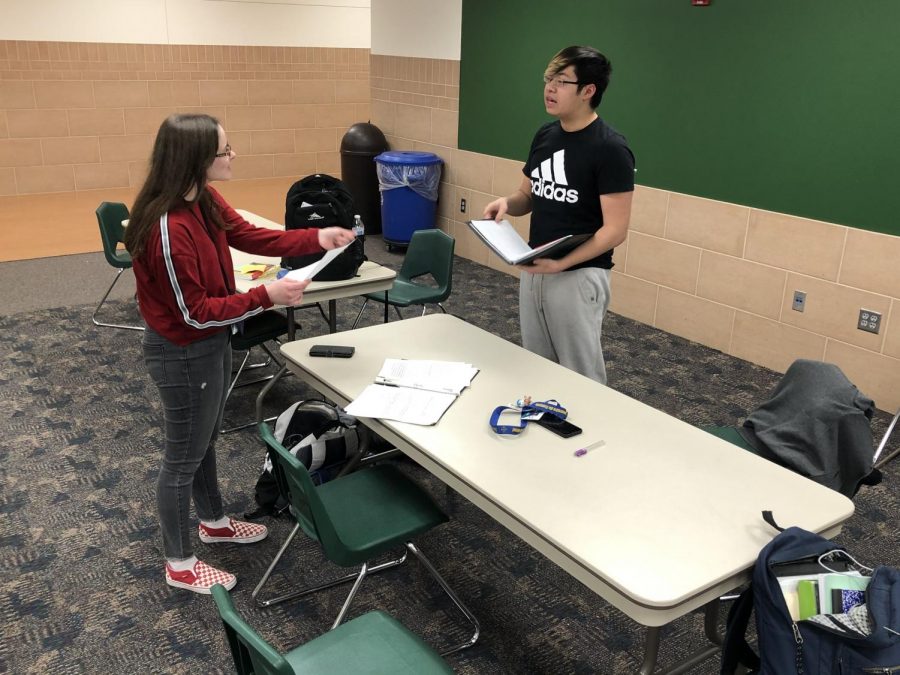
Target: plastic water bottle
(359,229)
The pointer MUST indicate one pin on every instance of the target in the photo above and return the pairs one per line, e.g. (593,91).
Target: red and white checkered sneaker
(238,532)
(200,579)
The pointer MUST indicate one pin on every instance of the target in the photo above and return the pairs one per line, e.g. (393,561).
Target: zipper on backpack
(884,670)
(798,655)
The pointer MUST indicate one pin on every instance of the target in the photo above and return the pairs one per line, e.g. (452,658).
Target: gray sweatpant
(561,317)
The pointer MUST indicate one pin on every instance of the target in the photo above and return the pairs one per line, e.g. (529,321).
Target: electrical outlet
(462,205)
(869,321)
(799,301)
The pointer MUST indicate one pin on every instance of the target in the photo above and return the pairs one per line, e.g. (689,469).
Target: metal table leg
(332,316)
(711,628)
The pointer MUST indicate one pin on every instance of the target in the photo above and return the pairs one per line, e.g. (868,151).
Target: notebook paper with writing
(503,240)
(449,377)
(417,392)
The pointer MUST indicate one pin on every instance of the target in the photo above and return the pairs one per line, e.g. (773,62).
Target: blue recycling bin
(408,182)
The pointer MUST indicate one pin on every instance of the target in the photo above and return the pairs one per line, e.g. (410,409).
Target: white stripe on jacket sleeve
(179,296)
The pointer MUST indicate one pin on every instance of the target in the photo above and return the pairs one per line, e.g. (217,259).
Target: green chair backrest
(252,655)
(430,252)
(306,505)
(110,216)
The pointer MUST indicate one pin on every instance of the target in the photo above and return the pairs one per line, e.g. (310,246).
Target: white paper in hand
(310,271)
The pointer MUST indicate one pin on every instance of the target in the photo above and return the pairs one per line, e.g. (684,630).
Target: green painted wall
(785,105)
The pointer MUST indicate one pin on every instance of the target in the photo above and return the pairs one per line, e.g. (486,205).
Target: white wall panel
(282,23)
(429,29)
(137,21)
(273,24)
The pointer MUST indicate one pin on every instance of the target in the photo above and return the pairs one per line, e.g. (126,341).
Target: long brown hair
(184,149)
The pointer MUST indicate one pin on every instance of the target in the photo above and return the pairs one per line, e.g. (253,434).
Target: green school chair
(110,216)
(430,252)
(817,391)
(356,518)
(372,644)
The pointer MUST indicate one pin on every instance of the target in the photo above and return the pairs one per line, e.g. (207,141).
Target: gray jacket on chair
(817,423)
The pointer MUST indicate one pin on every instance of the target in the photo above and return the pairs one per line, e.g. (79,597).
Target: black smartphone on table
(334,351)
(559,427)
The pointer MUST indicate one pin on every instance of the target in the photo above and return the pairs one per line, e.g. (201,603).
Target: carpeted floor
(82,588)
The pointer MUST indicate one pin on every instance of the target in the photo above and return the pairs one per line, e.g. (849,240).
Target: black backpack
(323,201)
(338,437)
(866,639)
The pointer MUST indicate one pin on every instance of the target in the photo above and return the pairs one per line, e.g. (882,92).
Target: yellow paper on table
(255,271)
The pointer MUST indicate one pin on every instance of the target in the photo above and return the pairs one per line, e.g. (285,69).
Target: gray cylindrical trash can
(359,147)
(409,183)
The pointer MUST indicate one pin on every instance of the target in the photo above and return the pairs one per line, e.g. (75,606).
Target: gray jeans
(561,317)
(192,381)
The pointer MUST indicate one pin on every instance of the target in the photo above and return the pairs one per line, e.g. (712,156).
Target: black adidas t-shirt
(568,173)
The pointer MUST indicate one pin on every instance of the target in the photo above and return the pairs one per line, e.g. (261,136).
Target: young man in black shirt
(579,178)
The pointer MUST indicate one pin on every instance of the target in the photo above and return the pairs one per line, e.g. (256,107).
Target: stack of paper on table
(418,392)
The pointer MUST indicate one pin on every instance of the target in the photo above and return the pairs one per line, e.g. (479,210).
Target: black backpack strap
(770,519)
(735,649)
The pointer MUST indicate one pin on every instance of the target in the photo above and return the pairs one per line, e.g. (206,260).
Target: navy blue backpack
(866,640)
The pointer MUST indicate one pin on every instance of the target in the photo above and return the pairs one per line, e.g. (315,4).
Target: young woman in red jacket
(179,235)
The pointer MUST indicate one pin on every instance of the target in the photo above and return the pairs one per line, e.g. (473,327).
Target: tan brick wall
(82,116)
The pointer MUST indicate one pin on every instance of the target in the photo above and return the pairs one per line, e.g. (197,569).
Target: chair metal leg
(884,440)
(452,595)
(357,578)
(356,584)
(356,321)
(268,572)
(231,430)
(257,366)
(374,569)
(270,357)
(94,318)
(425,308)
(399,315)
(326,317)
(237,376)
(265,378)
(380,456)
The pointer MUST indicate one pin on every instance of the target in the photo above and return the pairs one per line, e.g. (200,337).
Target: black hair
(591,67)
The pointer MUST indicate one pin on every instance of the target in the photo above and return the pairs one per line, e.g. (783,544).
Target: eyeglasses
(226,153)
(558,81)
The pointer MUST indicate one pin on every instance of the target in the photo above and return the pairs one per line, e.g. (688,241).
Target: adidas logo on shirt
(549,180)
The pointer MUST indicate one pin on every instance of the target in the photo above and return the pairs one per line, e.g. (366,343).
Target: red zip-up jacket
(185,277)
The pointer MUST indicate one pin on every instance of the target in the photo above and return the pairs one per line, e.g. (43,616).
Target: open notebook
(503,240)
